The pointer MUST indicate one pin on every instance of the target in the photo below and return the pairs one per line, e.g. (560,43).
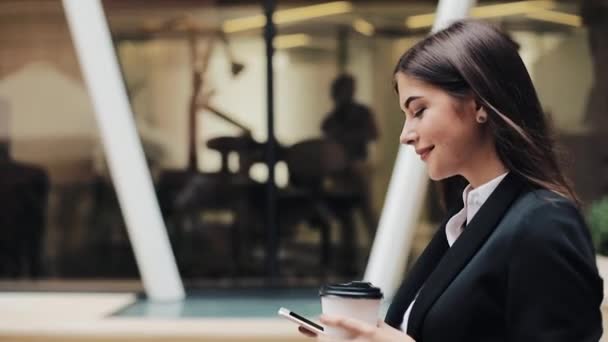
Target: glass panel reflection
(195,73)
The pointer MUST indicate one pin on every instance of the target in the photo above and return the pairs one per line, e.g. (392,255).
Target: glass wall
(196,78)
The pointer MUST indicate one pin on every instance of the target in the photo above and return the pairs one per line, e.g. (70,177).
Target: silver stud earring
(481,118)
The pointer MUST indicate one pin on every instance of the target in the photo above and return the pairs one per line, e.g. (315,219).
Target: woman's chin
(437,176)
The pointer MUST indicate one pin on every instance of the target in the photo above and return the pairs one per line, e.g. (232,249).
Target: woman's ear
(478,106)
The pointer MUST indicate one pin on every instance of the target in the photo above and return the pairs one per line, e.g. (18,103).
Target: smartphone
(308,324)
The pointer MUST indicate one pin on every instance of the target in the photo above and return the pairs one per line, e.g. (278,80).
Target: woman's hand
(364,332)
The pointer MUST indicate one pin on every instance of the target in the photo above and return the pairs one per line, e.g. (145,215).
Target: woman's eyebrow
(410,99)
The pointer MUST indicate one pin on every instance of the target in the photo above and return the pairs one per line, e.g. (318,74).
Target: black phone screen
(305,320)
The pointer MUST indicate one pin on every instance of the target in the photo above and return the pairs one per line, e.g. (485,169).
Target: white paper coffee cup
(358,300)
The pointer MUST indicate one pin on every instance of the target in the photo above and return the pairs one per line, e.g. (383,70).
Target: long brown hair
(474,57)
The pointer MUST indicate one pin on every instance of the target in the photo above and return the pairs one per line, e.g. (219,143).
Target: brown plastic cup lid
(353,289)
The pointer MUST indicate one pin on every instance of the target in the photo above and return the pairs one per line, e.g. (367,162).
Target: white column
(405,194)
(124,153)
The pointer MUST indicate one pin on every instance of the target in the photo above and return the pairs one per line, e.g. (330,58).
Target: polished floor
(53,316)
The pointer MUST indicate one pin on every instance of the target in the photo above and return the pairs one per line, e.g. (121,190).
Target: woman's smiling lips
(424,152)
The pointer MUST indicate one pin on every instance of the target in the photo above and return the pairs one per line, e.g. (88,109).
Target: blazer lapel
(469,242)
(425,264)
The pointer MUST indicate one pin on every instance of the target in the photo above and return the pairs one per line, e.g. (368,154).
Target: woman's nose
(408,135)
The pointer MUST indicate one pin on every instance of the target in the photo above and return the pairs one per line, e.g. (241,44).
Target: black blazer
(522,270)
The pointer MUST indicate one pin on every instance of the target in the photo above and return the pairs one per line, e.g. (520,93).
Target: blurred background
(195,72)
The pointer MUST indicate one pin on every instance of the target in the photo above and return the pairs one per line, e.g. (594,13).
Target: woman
(514,262)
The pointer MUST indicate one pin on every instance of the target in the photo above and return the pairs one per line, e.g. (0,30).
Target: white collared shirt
(473,199)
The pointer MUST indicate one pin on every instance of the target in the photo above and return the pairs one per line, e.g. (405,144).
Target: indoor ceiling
(145,18)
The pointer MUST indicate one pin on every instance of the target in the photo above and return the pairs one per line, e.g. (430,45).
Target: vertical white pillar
(405,194)
(124,153)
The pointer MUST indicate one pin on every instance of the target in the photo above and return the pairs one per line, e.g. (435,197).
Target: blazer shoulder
(542,215)
(543,203)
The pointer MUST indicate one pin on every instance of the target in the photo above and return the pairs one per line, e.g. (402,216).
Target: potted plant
(597,218)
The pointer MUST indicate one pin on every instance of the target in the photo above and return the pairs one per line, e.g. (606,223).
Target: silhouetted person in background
(352,125)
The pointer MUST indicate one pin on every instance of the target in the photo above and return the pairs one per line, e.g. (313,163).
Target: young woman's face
(441,128)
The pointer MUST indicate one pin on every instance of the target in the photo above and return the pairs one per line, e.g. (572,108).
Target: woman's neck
(484,168)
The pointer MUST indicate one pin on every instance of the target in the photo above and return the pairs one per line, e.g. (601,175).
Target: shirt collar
(473,199)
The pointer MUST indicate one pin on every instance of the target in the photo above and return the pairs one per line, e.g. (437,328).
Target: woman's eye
(419,112)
